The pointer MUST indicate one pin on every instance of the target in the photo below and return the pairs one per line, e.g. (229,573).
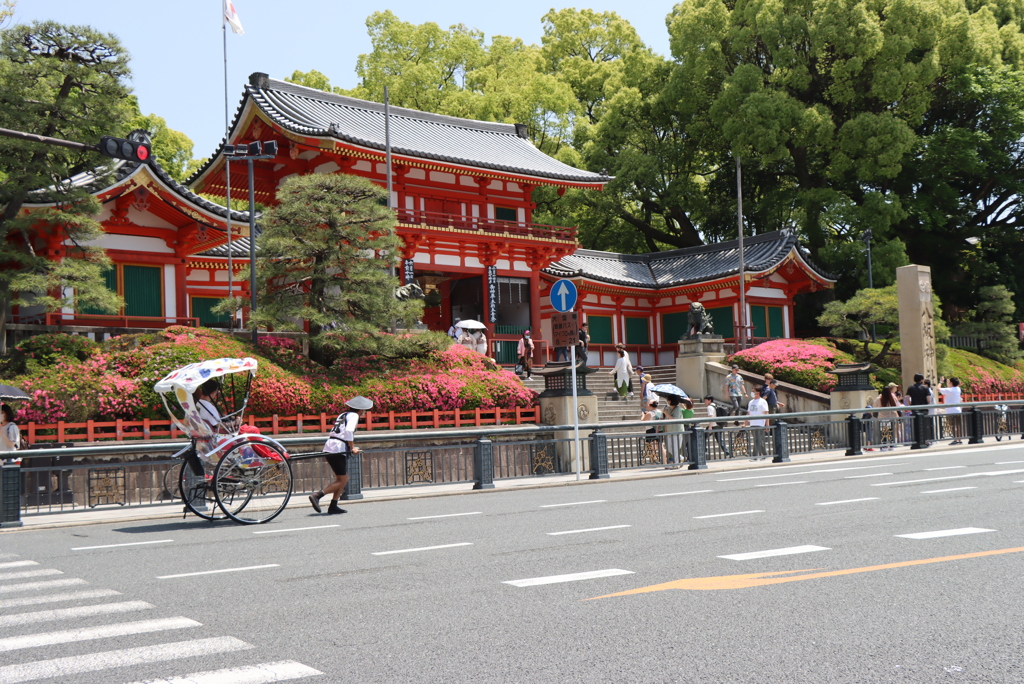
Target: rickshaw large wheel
(251,488)
(197,493)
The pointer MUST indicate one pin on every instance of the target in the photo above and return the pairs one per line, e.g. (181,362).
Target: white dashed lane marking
(832,503)
(592,529)
(698,491)
(790,551)
(725,515)
(114,546)
(448,515)
(954,489)
(421,548)
(217,572)
(280,671)
(574,577)
(574,503)
(944,533)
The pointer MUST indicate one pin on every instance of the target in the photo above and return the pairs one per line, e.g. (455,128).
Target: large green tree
(325,255)
(65,82)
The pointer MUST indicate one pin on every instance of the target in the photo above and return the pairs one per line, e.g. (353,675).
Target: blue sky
(176,47)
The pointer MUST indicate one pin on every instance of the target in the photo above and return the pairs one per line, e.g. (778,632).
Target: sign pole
(575,411)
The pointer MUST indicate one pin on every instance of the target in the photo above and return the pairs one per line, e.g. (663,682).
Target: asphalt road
(903,568)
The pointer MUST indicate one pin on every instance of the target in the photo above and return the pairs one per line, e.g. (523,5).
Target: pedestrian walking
(951,395)
(455,330)
(480,341)
(647,394)
(772,396)
(768,377)
(524,350)
(10,435)
(920,396)
(735,389)
(757,407)
(621,373)
(887,420)
(714,428)
(340,445)
(674,432)
(652,443)
(584,343)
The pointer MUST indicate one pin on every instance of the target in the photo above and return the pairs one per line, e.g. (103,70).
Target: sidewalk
(120,514)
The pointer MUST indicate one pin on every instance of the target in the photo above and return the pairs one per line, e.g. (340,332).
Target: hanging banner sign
(492,294)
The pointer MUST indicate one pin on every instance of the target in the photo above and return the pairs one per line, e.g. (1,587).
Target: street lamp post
(250,153)
(871,279)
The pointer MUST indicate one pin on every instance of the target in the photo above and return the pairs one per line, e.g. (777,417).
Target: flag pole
(227,163)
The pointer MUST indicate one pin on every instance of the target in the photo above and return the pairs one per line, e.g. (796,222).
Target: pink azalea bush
(800,362)
(116,380)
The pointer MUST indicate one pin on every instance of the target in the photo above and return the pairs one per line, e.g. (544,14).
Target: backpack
(335,443)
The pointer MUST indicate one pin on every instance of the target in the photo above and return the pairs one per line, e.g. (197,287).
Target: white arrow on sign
(562,292)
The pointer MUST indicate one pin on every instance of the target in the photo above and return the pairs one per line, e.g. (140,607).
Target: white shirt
(757,407)
(951,395)
(623,370)
(209,413)
(712,410)
(13,436)
(347,430)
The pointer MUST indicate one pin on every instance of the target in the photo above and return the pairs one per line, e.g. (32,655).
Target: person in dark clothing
(920,395)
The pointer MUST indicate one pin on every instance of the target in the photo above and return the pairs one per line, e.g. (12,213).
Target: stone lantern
(556,407)
(853,388)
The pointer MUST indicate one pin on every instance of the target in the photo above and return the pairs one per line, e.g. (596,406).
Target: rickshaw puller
(339,447)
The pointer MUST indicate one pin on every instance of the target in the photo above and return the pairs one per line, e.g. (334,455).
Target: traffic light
(119,148)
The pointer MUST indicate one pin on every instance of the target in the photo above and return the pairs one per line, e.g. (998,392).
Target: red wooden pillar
(535,307)
(181,289)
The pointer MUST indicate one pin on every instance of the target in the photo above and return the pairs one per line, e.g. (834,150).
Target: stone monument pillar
(694,352)
(556,409)
(917,323)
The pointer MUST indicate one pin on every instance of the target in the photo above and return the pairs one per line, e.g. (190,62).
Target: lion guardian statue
(699,320)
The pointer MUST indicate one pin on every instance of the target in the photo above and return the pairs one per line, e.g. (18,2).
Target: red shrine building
(463,196)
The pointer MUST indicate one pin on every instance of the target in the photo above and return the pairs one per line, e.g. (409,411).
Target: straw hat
(359,403)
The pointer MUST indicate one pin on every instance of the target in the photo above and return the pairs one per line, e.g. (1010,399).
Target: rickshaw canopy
(190,377)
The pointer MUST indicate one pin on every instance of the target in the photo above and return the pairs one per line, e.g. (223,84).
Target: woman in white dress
(622,372)
(481,341)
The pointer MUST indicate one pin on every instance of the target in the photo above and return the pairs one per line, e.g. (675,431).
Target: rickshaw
(228,471)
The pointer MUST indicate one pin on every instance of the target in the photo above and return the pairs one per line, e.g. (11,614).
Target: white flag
(231,16)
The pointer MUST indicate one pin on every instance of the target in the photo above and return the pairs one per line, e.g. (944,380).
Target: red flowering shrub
(80,392)
(800,362)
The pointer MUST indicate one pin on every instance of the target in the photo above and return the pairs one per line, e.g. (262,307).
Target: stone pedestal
(917,323)
(694,352)
(556,408)
(853,388)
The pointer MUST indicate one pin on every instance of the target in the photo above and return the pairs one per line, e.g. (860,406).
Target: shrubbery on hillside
(74,381)
(800,362)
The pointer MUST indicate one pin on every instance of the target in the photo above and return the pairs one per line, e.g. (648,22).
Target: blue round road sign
(563,295)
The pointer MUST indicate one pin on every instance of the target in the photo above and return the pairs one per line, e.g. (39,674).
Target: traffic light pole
(6,132)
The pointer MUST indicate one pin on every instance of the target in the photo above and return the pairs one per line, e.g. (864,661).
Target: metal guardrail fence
(59,479)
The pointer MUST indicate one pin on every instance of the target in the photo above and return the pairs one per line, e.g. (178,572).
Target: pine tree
(325,257)
(64,82)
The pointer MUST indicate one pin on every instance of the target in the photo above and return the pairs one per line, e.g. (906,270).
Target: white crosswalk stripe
(36,586)
(265,673)
(57,598)
(105,660)
(90,633)
(68,613)
(17,564)
(74,621)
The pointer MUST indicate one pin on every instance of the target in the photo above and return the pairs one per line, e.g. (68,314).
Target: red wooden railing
(120,430)
(993,396)
(484,225)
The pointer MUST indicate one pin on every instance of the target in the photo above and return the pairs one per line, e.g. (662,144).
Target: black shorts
(338,463)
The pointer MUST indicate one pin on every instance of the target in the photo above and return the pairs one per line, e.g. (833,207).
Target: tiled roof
(99,179)
(680,266)
(482,144)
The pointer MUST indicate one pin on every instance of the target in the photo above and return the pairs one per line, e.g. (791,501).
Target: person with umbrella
(339,447)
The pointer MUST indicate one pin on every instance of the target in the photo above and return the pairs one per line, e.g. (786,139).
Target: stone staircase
(610,407)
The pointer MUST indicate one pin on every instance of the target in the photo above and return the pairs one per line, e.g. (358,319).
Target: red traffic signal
(119,148)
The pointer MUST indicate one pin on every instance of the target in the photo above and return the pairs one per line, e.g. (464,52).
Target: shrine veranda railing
(142,474)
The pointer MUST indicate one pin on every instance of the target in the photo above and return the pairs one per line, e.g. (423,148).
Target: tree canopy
(66,82)
(325,257)
(905,117)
